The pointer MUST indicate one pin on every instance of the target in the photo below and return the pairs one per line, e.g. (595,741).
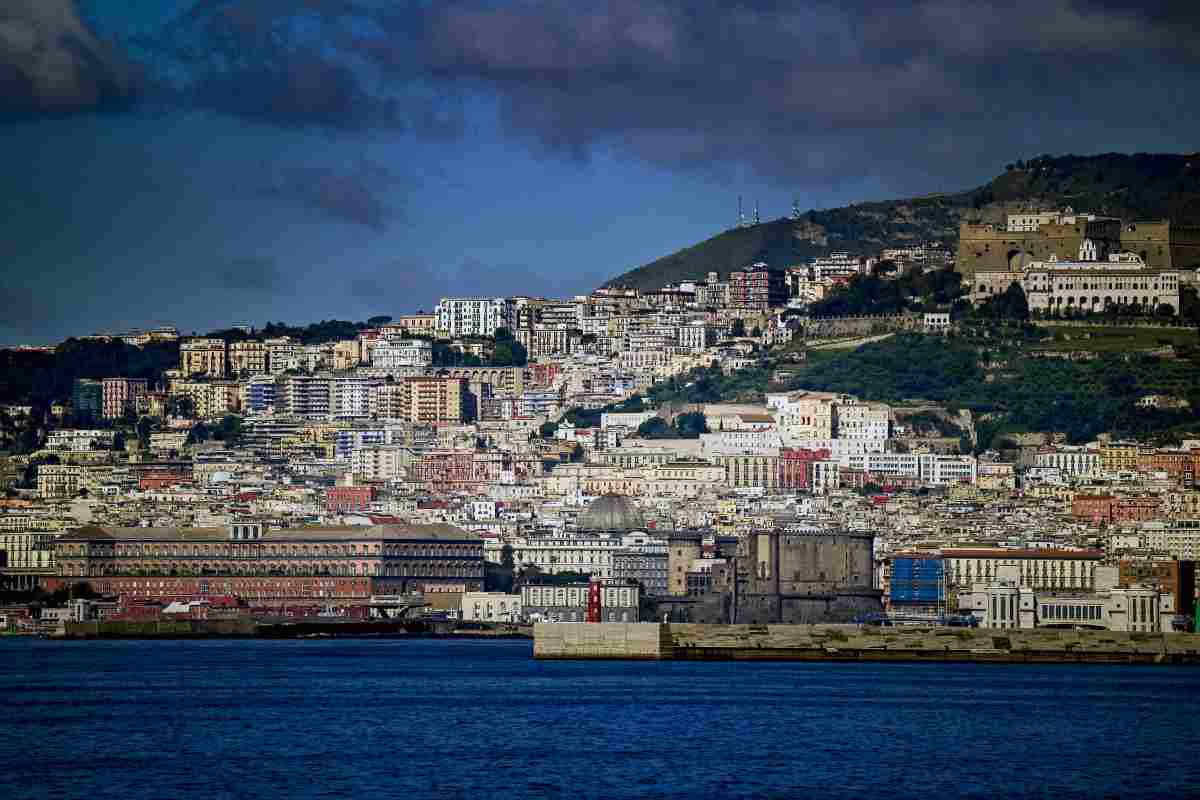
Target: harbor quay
(672,641)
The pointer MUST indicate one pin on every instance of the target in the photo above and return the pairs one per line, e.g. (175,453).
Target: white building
(936,321)
(491,607)
(381,462)
(556,553)
(836,265)
(389,354)
(1006,602)
(1182,539)
(1072,462)
(472,316)
(696,336)
(351,396)
(859,420)
(79,441)
(282,354)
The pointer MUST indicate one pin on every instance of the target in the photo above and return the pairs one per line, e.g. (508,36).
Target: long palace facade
(314,564)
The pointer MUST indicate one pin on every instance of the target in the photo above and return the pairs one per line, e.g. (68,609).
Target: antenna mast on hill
(756,220)
(795,208)
(741,218)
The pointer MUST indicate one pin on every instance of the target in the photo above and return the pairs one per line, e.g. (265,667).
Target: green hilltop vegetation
(995,368)
(1140,186)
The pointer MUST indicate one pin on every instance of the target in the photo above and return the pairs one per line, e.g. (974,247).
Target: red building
(159,480)
(795,466)
(349,499)
(1093,507)
(757,288)
(1107,508)
(1180,465)
(318,565)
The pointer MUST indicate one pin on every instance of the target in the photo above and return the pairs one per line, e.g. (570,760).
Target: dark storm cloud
(804,93)
(355,196)
(252,275)
(799,92)
(50,63)
(818,90)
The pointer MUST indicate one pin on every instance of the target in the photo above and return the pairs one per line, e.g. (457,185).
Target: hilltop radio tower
(796,208)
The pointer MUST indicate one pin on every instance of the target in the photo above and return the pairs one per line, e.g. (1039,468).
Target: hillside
(1141,186)
(995,370)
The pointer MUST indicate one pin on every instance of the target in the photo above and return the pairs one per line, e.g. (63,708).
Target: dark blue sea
(290,720)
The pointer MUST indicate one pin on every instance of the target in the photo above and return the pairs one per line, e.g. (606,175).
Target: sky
(204,163)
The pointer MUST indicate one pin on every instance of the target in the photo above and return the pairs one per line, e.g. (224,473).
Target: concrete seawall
(620,640)
(657,641)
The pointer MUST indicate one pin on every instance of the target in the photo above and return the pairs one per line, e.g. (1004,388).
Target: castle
(1063,236)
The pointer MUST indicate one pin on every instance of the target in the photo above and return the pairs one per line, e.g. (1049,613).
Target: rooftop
(416,532)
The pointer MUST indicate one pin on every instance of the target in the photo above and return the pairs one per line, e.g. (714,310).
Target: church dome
(612,512)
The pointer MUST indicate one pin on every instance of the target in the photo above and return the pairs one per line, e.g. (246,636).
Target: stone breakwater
(661,642)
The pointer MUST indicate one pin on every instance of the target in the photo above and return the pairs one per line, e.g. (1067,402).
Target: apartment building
(757,288)
(351,396)
(381,462)
(282,354)
(120,395)
(434,399)
(249,357)
(87,397)
(859,420)
(210,398)
(58,480)
(203,357)
(307,396)
(472,316)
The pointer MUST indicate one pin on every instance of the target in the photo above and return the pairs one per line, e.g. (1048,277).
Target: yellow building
(249,357)
(1119,457)
(202,357)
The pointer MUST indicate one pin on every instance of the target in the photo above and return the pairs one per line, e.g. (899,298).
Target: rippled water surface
(177,720)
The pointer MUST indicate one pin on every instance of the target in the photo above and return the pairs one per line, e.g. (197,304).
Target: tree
(738,329)
(229,430)
(199,433)
(1189,304)
(379,321)
(509,352)
(502,334)
(757,332)
(181,406)
(656,428)
(1015,304)
(691,424)
(145,426)
(548,429)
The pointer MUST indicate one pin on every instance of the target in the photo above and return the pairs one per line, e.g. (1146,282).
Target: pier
(667,642)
